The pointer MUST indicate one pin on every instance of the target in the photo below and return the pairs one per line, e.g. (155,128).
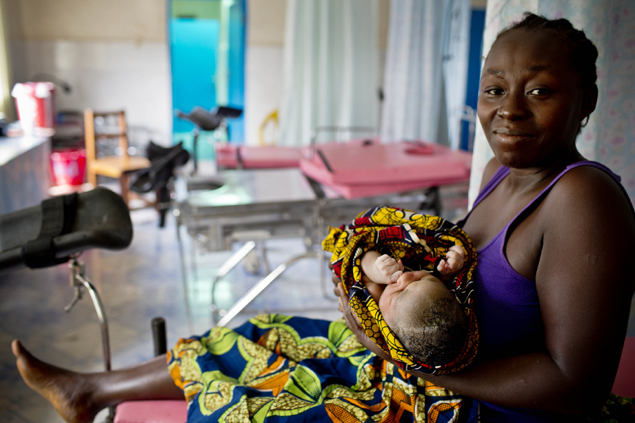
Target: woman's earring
(584,121)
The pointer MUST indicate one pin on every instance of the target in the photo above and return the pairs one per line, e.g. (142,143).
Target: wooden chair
(114,166)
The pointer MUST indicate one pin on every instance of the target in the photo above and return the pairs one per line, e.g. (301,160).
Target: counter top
(10,148)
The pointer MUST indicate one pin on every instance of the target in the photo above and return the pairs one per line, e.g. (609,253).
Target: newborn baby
(422,312)
(415,303)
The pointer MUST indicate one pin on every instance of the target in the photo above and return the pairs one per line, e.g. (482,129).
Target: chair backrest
(92,134)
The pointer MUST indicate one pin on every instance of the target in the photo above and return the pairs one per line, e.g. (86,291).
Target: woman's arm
(585,281)
(514,382)
(585,284)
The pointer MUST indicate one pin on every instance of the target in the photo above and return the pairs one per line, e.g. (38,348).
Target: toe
(16,348)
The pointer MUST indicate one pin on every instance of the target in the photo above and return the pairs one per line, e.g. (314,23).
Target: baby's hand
(453,262)
(389,268)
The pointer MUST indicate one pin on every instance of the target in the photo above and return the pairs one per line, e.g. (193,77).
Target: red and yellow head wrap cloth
(420,241)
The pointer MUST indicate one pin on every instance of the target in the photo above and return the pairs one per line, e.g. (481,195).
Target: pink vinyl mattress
(361,170)
(253,157)
(268,157)
(165,411)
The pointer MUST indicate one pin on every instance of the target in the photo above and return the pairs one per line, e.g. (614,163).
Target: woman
(554,281)
(555,276)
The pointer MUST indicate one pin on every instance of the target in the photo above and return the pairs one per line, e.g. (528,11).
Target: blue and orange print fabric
(277,368)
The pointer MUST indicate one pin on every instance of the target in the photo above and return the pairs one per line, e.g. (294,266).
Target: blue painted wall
(474,68)
(193,46)
(236,98)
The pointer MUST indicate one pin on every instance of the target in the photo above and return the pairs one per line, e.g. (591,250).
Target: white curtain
(610,134)
(426,70)
(330,67)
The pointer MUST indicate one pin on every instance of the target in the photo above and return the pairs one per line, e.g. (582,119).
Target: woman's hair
(583,52)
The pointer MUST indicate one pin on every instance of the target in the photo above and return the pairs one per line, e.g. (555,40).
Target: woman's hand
(352,321)
(334,278)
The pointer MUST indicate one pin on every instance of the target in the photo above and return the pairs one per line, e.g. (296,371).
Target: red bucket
(68,167)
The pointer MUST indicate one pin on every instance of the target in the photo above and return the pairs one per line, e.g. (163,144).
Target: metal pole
(77,275)
(188,311)
(226,268)
(260,286)
(101,314)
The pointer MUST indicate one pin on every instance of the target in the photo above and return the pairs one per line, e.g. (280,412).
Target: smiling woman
(553,232)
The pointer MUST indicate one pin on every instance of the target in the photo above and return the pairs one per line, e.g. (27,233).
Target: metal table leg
(226,268)
(188,310)
(262,285)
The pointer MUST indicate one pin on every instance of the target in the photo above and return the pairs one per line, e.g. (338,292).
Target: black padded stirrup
(58,214)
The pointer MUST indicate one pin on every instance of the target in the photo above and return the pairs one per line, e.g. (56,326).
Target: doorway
(207,56)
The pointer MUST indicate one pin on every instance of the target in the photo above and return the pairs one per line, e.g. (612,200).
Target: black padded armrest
(49,233)
(202,118)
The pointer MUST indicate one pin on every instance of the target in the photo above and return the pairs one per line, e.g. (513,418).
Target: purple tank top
(506,303)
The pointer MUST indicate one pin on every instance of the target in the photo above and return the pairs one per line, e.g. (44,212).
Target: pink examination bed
(358,168)
(363,168)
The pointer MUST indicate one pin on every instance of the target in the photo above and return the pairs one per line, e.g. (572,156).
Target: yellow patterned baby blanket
(420,241)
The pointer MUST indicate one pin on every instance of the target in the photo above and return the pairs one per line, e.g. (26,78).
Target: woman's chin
(515,159)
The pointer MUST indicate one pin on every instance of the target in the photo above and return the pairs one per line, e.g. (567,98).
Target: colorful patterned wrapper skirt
(278,368)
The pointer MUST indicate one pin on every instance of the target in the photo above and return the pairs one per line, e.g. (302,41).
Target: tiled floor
(137,284)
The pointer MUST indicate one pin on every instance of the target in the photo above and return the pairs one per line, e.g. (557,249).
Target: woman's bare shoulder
(490,168)
(588,205)
(592,189)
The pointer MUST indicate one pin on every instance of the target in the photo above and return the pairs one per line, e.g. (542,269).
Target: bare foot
(69,392)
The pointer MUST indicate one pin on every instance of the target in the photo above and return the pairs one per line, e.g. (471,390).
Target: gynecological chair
(56,232)
(159,177)
(207,120)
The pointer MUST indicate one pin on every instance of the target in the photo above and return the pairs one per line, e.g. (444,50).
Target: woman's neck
(527,179)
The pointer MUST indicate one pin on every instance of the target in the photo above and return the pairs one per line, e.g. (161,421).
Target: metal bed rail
(216,228)
(331,212)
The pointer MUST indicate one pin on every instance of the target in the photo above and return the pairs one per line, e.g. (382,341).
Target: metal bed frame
(304,211)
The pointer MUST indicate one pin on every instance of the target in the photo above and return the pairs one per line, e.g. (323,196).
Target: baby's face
(400,296)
